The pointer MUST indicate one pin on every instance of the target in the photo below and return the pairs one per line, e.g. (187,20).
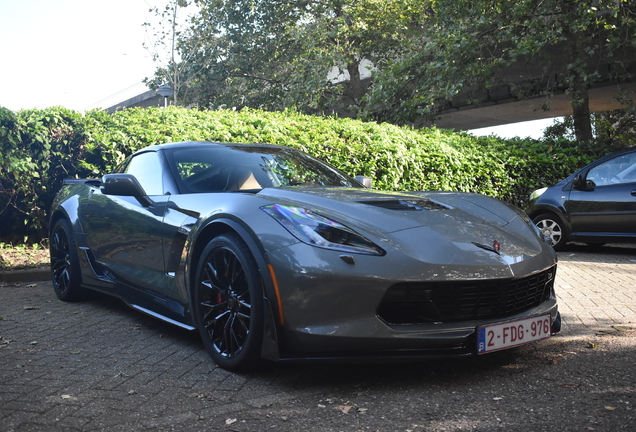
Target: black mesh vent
(450,301)
(410,204)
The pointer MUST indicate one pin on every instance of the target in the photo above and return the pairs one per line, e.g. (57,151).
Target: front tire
(228,303)
(551,227)
(65,268)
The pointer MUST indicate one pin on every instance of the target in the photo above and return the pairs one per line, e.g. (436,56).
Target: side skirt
(161,317)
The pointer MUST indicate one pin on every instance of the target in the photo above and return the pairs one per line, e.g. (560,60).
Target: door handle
(633,192)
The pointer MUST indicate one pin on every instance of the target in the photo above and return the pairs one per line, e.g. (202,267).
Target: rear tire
(228,303)
(552,228)
(65,268)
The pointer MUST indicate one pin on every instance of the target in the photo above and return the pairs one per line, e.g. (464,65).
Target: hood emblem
(494,248)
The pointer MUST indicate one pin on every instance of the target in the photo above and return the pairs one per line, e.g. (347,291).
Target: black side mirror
(579,182)
(124,185)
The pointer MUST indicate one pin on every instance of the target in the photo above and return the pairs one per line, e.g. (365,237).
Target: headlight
(319,231)
(536,194)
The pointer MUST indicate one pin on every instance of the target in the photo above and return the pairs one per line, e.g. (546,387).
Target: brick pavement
(99,365)
(596,290)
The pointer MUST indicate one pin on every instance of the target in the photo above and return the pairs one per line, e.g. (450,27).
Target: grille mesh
(452,301)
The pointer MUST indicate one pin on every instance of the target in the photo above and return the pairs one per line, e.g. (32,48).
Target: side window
(146,167)
(621,169)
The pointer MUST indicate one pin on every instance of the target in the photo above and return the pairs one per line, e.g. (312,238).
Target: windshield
(218,168)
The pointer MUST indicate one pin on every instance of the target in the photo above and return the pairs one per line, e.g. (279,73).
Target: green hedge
(42,147)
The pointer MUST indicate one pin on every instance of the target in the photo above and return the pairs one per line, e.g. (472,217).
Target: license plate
(511,334)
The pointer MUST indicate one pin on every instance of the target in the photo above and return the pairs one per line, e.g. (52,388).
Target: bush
(42,147)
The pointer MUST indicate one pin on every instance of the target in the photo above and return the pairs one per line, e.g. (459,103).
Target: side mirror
(366,181)
(579,182)
(124,185)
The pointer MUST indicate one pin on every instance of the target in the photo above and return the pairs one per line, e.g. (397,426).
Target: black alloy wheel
(552,228)
(228,302)
(65,267)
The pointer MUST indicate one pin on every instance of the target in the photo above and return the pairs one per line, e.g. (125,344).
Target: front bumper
(330,306)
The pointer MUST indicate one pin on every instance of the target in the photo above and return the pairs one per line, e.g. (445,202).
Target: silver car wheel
(551,229)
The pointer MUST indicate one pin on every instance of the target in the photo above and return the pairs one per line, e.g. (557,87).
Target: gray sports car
(270,253)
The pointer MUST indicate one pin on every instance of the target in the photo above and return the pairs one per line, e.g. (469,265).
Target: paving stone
(98,365)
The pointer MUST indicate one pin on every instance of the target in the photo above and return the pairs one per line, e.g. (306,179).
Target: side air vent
(410,204)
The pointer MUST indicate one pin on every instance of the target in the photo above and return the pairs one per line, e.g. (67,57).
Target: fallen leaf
(609,408)
(75,352)
(604,332)
(132,392)
(345,409)
(498,398)
(230,421)
(33,285)
(622,329)
(322,406)
(591,345)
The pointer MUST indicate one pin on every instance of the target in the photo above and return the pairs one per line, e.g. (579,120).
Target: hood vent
(410,204)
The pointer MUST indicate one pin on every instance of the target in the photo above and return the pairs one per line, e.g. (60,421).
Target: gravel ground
(100,366)
(564,384)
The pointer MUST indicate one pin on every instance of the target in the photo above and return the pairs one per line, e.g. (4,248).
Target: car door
(125,235)
(607,206)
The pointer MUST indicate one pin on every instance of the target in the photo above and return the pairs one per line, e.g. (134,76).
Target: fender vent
(410,204)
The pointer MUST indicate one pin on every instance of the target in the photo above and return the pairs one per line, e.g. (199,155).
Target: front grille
(452,301)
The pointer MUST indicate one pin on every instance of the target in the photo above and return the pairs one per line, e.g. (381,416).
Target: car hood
(395,211)
(454,221)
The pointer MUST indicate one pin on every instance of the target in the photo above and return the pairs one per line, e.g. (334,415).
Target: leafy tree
(179,53)
(274,54)
(464,45)
(613,130)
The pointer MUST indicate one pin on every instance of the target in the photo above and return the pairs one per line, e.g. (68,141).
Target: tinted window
(621,169)
(216,169)
(146,167)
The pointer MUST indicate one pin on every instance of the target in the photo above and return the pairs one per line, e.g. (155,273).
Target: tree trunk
(355,88)
(581,116)
(581,111)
